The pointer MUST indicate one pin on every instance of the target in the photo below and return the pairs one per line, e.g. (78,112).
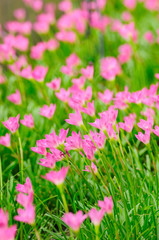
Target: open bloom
(145,138)
(91,168)
(48,111)
(28,121)
(6,232)
(54,141)
(96,216)
(54,84)
(73,142)
(106,97)
(26,187)
(12,123)
(57,177)
(25,198)
(74,221)
(156,130)
(110,68)
(106,205)
(51,159)
(5,140)
(39,73)
(75,119)
(15,98)
(88,72)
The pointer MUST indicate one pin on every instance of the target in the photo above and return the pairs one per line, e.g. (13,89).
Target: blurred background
(7,7)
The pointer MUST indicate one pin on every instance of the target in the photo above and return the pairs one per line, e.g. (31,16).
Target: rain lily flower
(106,205)
(12,123)
(110,68)
(39,73)
(96,216)
(40,150)
(88,72)
(74,221)
(26,215)
(20,13)
(90,110)
(73,142)
(125,52)
(48,111)
(91,168)
(75,119)
(54,84)
(51,159)
(25,198)
(106,97)
(6,232)
(28,121)
(145,138)
(131,4)
(57,177)
(15,98)
(146,125)
(5,140)
(54,141)
(26,187)
(156,130)
(73,60)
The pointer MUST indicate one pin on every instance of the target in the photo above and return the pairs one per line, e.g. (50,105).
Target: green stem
(36,232)
(21,157)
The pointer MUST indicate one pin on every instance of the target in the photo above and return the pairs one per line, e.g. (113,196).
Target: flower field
(79,121)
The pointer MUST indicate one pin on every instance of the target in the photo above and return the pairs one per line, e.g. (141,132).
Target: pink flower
(74,142)
(67,70)
(15,98)
(54,141)
(75,119)
(6,232)
(146,125)
(5,140)
(66,36)
(91,168)
(96,216)
(65,6)
(125,51)
(98,138)
(131,4)
(20,13)
(156,130)
(126,16)
(63,95)
(12,123)
(51,159)
(25,198)
(48,111)
(110,68)
(149,37)
(57,177)
(88,147)
(106,205)
(145,138)
(28,121)
(88,72)
(39,73)
(74,221)
(106,97)
(26,215)
(54,84)
(40,150)
(27,72)
(128,124)
(73,60)
(90,110)
(26,187)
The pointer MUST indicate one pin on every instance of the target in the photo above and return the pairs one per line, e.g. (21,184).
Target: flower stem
(21,157)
